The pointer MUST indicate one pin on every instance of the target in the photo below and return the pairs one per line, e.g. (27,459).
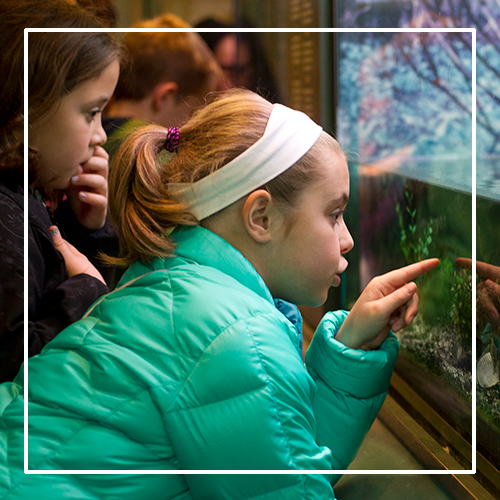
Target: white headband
(289,135)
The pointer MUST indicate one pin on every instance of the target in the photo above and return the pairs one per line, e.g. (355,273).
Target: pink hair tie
(172,140)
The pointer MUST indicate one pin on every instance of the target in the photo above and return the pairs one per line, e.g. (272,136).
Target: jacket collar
(204,247)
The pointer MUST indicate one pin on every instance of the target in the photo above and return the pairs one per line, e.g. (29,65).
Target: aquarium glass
(405,121)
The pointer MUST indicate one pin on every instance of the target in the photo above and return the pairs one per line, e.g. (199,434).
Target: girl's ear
(257,215)
(164,93)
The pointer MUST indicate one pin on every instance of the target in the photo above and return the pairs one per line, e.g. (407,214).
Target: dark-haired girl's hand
(389,302)
(76,262)
(88,193)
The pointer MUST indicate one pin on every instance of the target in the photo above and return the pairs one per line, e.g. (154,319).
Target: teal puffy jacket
(190,367)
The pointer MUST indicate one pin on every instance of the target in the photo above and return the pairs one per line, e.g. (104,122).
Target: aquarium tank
(405,120)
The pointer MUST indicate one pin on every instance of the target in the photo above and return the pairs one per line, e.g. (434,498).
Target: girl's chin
(313,301)
(59,184)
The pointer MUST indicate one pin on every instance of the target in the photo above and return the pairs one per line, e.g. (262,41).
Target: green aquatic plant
(438,306)
(461,312)
(415,238)
(434,292)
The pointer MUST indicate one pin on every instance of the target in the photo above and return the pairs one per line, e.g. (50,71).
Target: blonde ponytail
(141,207)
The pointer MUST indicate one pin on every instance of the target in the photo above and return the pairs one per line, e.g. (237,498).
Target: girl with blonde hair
(188,365)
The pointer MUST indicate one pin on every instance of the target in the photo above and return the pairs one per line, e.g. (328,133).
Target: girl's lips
(336,281)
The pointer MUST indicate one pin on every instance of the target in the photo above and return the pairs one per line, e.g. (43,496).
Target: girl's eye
(337,216)
(94,113)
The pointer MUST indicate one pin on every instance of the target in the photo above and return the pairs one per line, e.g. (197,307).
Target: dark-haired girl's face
(66,137)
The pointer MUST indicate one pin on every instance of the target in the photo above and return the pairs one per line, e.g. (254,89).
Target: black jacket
(54,301)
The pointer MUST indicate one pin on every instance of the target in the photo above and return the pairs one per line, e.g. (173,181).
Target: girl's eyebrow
(339,202)
(342,200)
(99,101)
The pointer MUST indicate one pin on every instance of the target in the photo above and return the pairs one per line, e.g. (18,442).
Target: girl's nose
(346,241)
(99,136)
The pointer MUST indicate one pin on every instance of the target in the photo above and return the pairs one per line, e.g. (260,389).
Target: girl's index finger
(399,277)
(101,152)
(98,164)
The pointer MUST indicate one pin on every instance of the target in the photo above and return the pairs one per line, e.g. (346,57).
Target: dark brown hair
(143,209)
(105,10)
(57,63)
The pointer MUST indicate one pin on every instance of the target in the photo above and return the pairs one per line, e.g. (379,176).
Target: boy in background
(167,79)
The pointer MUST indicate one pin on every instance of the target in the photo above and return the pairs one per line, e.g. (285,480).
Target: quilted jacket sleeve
(351,388)
(254,413)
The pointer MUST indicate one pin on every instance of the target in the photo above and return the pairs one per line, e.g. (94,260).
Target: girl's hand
(389,302)
(76,262)
(88,192)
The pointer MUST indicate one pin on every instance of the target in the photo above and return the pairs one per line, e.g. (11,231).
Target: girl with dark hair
(71,76)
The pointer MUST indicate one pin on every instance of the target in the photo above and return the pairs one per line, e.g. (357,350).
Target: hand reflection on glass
(488,314)
(488,290)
